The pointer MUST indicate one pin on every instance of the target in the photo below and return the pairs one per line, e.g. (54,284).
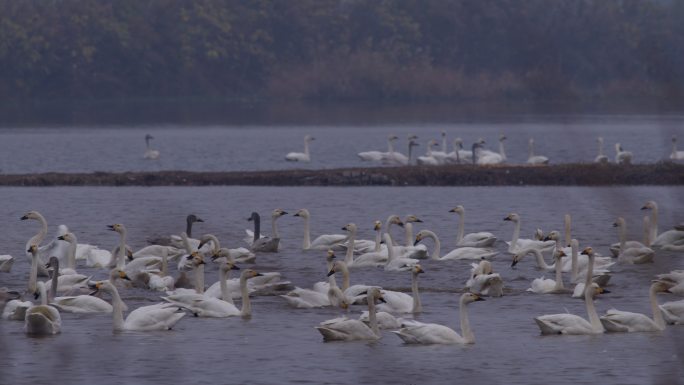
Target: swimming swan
(322,242)
(37,240)
(516,244)
(483,280)
(422,333)
(625,321)
(458,253)
(301,156)
(549,286)
(259,242)
(346,329)
(572,324)
(150,153)
(632,255)
(42,319)
(397,302)
(481,239)
(79,303)
(670,237)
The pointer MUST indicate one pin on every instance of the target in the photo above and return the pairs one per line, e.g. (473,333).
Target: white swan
(676,155)
(6,263)
(548,286)
(673,237)
(632,255)
(675,279)
(567,265)
(145,318)
(42,319)
(76,304)
(480,239)
(354,294)
(239,255)
(396,158)
(37,240)
(396,262)
(625,244)
(345,329)
(516,244)
(410,249)
(624,321)
(441,155)
(364,246)
(673,312)
(572,324)
(535,159)
(170,240)
(483,280)
(205,306)
(397,302)
(71,253)
(377,156)
(459,155)
(423,333)
(379,257)
(301,156)
(150,153)
(601,157)
(458,253)
(428,159)
(257,241)
(322,242)
(484,157)
(316,297)
(622,156)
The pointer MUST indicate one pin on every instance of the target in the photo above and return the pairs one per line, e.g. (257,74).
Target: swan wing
(542,286)
(385,320)
(469,253)
(625,321)
(82,304)
(396,302)
(481,239)
(345,330)
(673,312)
(325,241)
(421,333)
(154,317)
(563,324)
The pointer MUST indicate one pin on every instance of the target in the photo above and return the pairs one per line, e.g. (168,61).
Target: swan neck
(417,306)
(438,246)
(188,228)
(349,257)
(216,245)
(306,147)
(257,228)
(71,256)
(591,309)
(54,283)
(600,148)
(33,276)
(559,274)
(372,318)
(390,247)
(345,277)
(657,314)
(516,235)
(307,234)
(647,231)
(165,262)
(121,255)
(501,150)
(540,260)
(568,229)
(199,279)
(408,234)
(223,284)
(623,236)
(246,304)
(575,267)
(654,224)
(274,228)
(390,146)
(466,332)
(378,240)
(531,149)
(117,310)
(461,229)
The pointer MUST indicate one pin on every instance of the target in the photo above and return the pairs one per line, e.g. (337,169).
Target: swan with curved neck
(480,239)
(671,237)
(71,251)
(517,244)
(119,260)
(345,329)
(548,286)
(535,159)
(37,239)
(76,304)
(570,323)
(398,302)
(323,293)
(458,253)
(42,319)
(633,255)
(624,321)
(424,333)
(322,242)
(601,157)
(301,156)
(149,152)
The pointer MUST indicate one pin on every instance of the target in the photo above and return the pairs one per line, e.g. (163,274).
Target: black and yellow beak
(110,227)
(23,218)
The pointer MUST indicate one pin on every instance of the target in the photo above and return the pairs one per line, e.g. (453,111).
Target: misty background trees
(341,49)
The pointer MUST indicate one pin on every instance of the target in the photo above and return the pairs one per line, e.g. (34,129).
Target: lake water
(280,345)
(118,148)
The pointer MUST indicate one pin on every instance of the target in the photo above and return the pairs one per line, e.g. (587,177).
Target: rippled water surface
(226,148)
(280,345)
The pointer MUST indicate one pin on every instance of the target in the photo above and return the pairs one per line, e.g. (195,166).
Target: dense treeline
(341,49)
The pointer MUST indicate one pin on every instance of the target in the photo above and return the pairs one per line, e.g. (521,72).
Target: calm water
(224,148)
(279,344)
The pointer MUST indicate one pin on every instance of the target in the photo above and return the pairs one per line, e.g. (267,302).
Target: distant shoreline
(663,173)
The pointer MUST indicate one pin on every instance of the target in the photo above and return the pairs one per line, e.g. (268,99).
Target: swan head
(659,286)
(31,215)
(413,219)
(531,141)
(68,237)
(412,137)
(674,138)
(650,205)
(304,213)
(148,137)
(599,139)
(553,236)
(33,249)
(392,138)
(374,294)
(433,143)
(337,267)
(118,274)
(118,227)
(308,138)
(559,254)
(513,217)
(377,225)
(416,269)
(539,234)
(587,251)
(470,297)
(195,259)
(229,265)
(502,137)
(458,210)
(443,134)
(52,263)
(192,218)
(350,227)
(249,273)
(620,222)
(422,234)
(277,213)
(395,220)
(330,256)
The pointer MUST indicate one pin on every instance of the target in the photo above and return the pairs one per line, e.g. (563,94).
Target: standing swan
(600,158)
(42,319)
(301,156)
(150,153)
(345,329)
(572,324)
(421,333)
(625,321)
(622,156)
(481,239)
(145,318)
(535,159)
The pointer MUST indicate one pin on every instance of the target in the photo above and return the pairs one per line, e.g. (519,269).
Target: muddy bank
(567,174)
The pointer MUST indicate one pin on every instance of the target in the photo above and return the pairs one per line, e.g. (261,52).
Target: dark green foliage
(341,49)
